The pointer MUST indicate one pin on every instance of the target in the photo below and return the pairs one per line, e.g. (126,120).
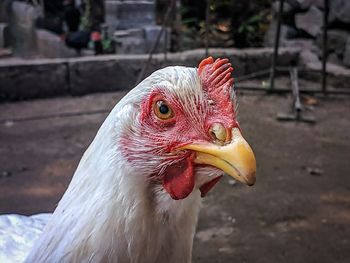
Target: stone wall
(302,27)
(22,79)
(132,24)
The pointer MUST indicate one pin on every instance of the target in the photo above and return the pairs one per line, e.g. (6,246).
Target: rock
(346,57)
(214,232)
(314,171)
(334,59)
(8,123)
(4,10)
(302,44)
(4,35)
(5,174)
(336,41)
(231,182)
(131,41)
(22,27)
(287,32)
(130,14)
(338,76)
(287,7)
(140,40)
(295,6)
(136,14)
(305,4)
(50,45)
(134,22)
(308,50)
(310,21)
(307,57)
(339,10)
(151,33)
(260,59)
(289,10)
(111,15)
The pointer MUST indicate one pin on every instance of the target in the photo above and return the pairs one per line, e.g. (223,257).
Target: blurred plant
(193,27)
(232,23)
(252,30)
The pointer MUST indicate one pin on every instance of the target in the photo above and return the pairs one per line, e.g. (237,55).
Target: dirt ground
(298,211)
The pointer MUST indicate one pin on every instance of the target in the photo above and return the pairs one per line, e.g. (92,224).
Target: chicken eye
(163,110)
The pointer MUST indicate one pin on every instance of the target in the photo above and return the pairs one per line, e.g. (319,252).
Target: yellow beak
(236,158)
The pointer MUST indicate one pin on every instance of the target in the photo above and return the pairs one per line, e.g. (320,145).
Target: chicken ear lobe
(179,179)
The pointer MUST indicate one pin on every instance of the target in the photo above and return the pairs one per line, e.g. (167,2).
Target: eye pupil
(163,109)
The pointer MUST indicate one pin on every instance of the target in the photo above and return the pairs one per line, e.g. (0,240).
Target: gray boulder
(51,45)
(151,33)
(334,59)
(130,14)
(336,41)
(308,51)
(22,28)
(305,4)
(4,8)
(310,21)
(130,41)
(287,32)
(340,10)
(111,15)
(4,35)
(346,57)
(140,40)
(287,7)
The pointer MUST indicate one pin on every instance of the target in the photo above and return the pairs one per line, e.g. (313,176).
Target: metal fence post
(276,45)
(325,46)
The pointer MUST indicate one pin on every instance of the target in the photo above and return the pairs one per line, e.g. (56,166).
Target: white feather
(110,211)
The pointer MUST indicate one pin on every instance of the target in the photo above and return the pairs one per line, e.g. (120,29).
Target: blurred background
(64,64)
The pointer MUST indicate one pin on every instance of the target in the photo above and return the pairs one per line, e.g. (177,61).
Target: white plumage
(112,211)
(17,235)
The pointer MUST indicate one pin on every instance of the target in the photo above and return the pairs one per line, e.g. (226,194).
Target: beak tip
(250,180)
(251,183)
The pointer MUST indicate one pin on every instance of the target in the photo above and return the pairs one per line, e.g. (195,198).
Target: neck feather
(111,213)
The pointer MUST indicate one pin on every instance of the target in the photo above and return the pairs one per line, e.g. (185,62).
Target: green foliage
(252,30)
(232,23)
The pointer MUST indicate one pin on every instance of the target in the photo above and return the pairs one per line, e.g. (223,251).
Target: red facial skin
(178,178)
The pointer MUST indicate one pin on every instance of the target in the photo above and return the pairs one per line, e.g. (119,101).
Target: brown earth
(298,211)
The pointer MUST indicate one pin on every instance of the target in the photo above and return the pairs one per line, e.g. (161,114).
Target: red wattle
(179,179)
(205,188)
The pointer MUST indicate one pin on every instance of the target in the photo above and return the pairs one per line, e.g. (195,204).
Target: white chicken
(136,194)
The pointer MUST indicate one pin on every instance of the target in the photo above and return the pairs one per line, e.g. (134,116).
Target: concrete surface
(77,76)
(298,211)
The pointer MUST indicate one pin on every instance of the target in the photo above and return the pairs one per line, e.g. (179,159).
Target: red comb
(215,75)
(217,83)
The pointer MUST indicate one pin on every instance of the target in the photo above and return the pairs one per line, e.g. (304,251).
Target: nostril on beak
(218,132)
